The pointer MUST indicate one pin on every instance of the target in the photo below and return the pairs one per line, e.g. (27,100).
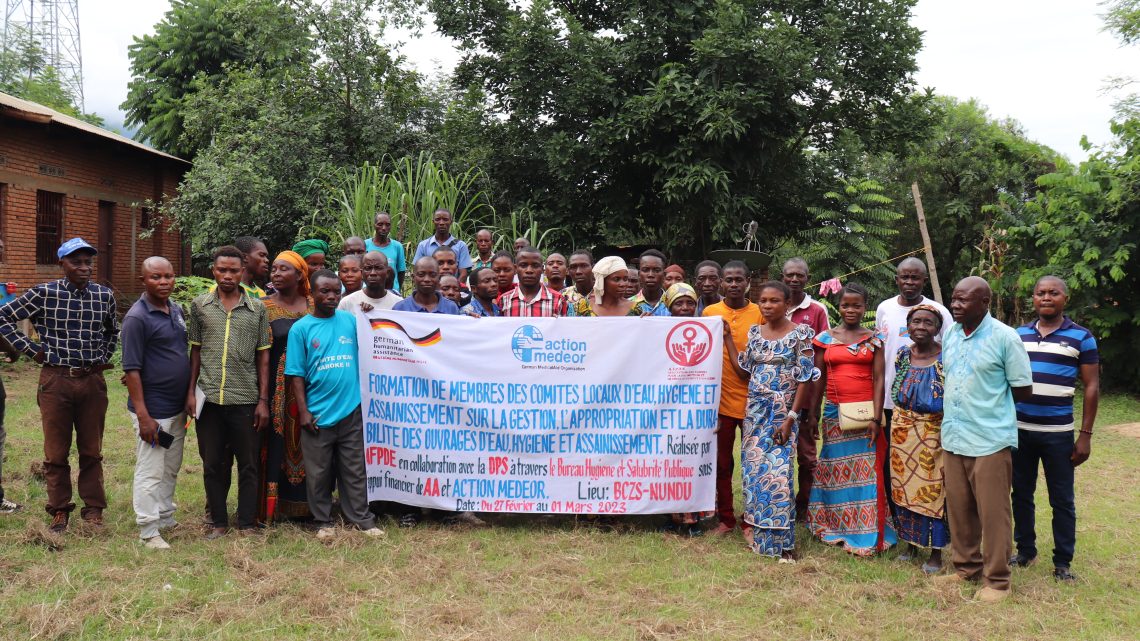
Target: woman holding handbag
(848,502)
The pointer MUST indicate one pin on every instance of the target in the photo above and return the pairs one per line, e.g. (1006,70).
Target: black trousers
(1051,451)
(225,432)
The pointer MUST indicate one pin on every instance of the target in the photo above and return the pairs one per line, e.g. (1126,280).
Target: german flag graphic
(423,341)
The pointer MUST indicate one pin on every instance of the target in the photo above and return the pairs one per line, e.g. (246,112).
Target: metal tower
(54,25)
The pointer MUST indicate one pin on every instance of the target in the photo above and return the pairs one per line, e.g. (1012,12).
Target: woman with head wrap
(916,438)
(673,274)
(681,300)
(283,473)
(608,297)
(313,251)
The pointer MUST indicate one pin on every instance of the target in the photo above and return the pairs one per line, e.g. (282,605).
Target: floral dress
(767,468)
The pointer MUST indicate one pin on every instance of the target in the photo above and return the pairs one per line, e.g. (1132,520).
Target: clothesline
(863,269)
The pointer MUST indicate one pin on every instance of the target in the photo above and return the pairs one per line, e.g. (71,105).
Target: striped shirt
(1056,360)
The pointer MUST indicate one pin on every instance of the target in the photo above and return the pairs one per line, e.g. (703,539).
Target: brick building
(61,177)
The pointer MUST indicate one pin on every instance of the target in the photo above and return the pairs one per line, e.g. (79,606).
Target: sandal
(408,520)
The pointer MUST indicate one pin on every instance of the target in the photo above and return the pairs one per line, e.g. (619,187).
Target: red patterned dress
(848,502)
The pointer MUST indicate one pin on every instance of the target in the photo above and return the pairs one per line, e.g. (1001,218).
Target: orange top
(733,390)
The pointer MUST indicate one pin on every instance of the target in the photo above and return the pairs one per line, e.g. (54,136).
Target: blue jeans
(1053,450)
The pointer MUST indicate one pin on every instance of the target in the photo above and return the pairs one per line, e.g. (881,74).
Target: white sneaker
(156,542)
(326,532)
(8,507)
(373,532)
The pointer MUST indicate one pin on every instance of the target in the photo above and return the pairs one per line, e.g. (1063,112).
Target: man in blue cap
(78,330)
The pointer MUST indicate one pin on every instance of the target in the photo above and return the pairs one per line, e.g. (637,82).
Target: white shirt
(890,319)
(351,303)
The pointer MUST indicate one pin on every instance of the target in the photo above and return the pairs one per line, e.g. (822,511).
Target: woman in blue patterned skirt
(779,366)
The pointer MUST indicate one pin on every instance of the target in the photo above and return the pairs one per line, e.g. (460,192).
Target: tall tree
(678,121)
(271,139)
(191,48)
(969,168)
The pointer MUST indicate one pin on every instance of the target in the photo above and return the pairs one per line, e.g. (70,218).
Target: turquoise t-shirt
(323,352)
(981,369)
(396,257)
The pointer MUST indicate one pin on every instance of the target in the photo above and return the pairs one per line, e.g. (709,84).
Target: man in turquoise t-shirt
(392,249)
(320,364)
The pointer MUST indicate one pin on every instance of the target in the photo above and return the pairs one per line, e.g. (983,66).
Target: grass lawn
(525,578)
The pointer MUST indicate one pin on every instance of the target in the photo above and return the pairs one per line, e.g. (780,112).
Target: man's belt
(75,372)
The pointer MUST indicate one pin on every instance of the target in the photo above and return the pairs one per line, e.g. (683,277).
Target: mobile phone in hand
(165,439)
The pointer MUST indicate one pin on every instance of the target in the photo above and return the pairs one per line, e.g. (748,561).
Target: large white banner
(560,415)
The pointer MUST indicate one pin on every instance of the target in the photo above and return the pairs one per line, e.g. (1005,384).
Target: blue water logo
(525,341)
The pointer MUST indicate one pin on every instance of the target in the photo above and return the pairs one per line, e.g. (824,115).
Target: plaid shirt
(547,303)
(78,328)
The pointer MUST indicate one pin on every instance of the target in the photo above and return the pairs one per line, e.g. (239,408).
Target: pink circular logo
(689,344)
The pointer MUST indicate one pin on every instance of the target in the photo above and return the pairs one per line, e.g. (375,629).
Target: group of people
(932,423)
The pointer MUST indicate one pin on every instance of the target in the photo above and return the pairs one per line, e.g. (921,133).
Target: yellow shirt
(733,391)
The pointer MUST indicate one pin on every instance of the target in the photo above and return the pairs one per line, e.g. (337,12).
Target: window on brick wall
(49,226)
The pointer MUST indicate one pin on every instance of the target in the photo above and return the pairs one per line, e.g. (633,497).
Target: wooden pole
(926,242)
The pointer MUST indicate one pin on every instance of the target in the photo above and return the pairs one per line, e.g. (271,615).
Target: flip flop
(929,569)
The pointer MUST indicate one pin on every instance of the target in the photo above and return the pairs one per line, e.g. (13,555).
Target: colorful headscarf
(298,263)
(311,246)
(675,268)
(678,290)
(603,268)
(925,308)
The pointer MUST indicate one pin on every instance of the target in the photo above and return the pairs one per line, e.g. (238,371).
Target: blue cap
(74,245)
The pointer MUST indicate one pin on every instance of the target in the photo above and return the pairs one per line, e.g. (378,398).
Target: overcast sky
(1043,62)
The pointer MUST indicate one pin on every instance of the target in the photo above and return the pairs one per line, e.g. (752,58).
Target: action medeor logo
(531,347)
(525,340)
(689,343)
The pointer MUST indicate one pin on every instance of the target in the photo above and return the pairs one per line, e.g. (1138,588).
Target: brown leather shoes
(94,520)
(59,522)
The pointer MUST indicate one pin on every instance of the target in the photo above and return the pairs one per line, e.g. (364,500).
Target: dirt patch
(1127,429)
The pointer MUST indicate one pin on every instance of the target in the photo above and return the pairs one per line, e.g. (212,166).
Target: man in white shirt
(375,294)
(890,318)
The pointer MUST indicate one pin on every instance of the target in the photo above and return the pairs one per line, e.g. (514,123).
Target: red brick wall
(94,169)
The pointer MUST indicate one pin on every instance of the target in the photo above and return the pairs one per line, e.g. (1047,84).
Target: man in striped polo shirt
(1060,352)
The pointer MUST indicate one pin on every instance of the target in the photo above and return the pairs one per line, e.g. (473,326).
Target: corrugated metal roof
(17,104)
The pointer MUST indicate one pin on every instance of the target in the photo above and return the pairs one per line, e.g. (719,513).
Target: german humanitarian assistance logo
(689,344)
(431,338)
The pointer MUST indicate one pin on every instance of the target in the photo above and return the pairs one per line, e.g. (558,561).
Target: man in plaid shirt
(531,297)
(78,330)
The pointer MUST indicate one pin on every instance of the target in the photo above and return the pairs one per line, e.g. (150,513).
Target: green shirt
(229,343)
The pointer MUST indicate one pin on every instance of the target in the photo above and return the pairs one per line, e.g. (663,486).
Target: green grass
(525,578)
